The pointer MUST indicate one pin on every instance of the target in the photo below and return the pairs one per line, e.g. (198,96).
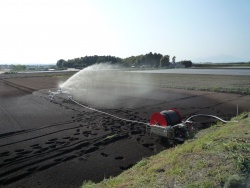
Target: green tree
(157,59)
(86,61)
(164,61)
(60,63)
(149,59)
(18,67)
(187,63)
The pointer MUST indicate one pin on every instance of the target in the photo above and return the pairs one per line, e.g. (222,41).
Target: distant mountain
(221,59)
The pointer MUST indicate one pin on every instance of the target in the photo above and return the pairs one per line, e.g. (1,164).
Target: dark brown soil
(61,144)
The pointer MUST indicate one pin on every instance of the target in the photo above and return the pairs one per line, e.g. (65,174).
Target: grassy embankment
(216,157)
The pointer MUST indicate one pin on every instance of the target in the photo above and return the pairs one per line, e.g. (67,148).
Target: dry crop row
(217,83)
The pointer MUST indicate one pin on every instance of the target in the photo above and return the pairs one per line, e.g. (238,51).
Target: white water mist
(106,86)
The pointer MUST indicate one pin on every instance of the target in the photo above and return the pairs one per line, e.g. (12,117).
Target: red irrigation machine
(169,124)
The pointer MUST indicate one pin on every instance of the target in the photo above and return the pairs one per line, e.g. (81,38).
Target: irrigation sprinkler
(167,123)
(58,92)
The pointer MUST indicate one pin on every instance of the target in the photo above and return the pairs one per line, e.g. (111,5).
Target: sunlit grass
(110,137)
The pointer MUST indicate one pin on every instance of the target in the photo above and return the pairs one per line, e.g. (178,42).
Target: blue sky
(44,31)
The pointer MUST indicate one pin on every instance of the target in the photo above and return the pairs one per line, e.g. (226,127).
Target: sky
(44,31)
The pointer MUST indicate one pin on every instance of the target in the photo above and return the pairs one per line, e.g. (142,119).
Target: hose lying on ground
(53,94)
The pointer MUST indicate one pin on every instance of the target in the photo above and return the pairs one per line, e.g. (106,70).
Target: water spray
(58,92)
(167,123)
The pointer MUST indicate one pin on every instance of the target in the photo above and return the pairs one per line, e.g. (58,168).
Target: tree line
(149,60)
(18,67)
(83,62)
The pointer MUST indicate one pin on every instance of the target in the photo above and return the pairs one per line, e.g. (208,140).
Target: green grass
(216,157)
(222,65)
(65,75)
(110,137)
(10,72)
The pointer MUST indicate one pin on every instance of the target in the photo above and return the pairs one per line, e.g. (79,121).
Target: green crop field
(216,83)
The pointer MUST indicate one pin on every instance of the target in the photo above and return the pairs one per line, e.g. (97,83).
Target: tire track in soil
(18,164)
(9,91)
(26,162)
(18,87)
